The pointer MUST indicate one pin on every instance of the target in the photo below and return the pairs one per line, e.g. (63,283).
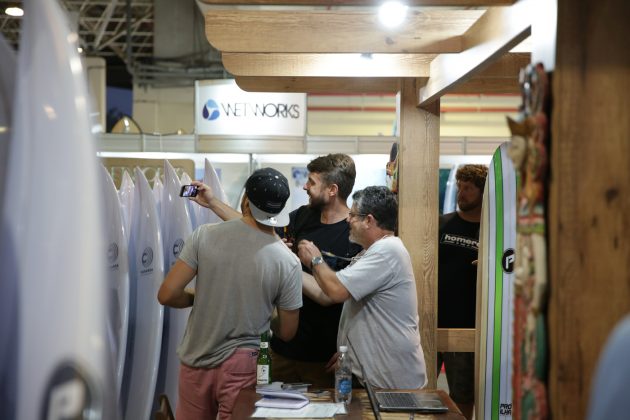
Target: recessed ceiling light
(392,13)
(14,11)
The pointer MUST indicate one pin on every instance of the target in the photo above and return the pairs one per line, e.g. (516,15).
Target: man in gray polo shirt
(243,270)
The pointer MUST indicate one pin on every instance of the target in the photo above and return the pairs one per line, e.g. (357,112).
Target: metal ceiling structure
(123,32)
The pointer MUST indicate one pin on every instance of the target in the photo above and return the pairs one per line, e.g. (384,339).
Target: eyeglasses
(353,214)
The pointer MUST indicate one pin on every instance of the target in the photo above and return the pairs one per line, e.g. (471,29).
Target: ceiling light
(14,11)
(392,13)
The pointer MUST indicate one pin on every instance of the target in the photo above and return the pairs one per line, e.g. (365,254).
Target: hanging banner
(222,108)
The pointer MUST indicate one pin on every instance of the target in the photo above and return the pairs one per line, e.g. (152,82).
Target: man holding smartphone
(310,355)
(242,272)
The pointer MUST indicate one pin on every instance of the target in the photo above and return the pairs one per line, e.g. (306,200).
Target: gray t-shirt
(381,317)
(242,273)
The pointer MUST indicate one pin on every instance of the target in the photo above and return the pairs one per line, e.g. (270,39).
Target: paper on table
(313,410)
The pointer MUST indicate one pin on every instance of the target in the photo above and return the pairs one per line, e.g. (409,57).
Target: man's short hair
(473,173)
(381,203)
(337,168)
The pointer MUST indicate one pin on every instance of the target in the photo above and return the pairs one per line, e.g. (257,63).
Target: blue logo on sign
(211,110)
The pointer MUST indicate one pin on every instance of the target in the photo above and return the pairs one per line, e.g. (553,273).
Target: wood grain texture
(319,84)
(589,216)
(418,167)
(493,35)
(336,31)
(327,65)
(456,339)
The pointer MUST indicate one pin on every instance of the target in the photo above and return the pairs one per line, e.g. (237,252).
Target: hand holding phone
(188,191)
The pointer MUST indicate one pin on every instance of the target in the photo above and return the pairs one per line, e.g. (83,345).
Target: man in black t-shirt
(308,357)
(323,221)
(457,279)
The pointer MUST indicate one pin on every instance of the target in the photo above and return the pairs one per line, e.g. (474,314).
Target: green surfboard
(495,290)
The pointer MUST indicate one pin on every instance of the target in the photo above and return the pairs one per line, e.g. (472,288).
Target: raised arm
(326,278)
(206,198)
(311,289)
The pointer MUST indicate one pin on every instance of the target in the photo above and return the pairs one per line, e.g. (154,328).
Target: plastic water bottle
(343,377)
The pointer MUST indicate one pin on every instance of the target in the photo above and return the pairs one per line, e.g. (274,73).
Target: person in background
(609,389)
(379,321)
(309,356)
(457,280)
(243,271)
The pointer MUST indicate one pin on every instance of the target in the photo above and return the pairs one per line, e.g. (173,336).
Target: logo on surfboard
(177,247)
(147,256)
(507,261)
(70,394)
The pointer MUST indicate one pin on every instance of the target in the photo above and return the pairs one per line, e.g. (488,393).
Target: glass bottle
(263,364)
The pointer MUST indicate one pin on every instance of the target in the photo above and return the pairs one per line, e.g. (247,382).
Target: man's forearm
(312,290)
(329,283)
(224,211)
(182,299)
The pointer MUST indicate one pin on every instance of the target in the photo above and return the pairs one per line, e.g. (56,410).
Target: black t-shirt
(457,276)
(316,337)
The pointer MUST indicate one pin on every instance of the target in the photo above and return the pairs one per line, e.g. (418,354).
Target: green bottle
(263,364)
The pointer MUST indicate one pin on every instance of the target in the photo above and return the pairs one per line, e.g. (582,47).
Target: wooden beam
(500,77)
(319,84)
(462,3)
(418,166)
(456,339)
(589,215)
(493,35)
(336,31)
(328,65)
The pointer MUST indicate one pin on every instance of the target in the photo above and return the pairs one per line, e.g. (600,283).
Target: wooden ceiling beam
(493,35)
(336,31)
(320,84)
(328,65)
(457,3)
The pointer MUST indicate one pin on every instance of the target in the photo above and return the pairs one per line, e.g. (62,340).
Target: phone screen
(188,191)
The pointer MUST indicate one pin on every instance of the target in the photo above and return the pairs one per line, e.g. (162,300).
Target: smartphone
(188,191)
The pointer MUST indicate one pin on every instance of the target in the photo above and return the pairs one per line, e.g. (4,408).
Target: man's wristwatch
(316,261)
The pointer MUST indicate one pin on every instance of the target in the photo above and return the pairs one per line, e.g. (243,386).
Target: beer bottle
(263,364)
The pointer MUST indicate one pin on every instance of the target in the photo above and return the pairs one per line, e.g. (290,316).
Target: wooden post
(589,206)
(418,166)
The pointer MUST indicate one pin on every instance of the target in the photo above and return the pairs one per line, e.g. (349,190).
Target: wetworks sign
(222,108)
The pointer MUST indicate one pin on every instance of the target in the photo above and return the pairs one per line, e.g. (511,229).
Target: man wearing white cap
(243,270)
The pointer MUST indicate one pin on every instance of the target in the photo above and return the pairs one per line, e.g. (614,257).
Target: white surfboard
(54,229)
(117,276)
(211,178)
(177,228)
(194,209)
(146,315)
(495,289)
(450,193)
(8,282)
(126,194)
(158,191)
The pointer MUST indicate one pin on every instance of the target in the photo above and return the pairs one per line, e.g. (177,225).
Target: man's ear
(334,190)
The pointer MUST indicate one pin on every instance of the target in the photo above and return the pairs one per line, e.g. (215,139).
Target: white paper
(313,410)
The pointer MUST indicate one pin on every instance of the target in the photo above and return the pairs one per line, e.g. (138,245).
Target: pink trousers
(206,392)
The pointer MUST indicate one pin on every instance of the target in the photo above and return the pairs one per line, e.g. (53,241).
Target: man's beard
(316,203)
(467,206)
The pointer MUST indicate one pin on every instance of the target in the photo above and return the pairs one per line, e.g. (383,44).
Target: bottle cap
(343,349)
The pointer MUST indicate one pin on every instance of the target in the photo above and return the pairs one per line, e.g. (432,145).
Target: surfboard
(55,230)
(158,191)
(8,284)
(117,276)
(495,290)
(194,209)
(450,194)
(146,315)
(126,194)
(211,179)
(177,228)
